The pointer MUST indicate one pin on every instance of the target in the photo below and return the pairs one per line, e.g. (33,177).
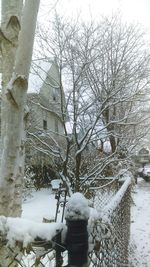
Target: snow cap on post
(77,208)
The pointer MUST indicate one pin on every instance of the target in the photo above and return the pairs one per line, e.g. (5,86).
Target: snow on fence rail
(110,232)
(111,207)
(38,244)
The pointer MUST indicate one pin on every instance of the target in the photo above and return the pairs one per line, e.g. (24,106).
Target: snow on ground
(41,204)
(140,226)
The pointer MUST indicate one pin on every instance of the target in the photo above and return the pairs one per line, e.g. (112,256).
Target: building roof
(50,93)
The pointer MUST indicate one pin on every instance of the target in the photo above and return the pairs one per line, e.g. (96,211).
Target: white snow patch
(42,204)
(77,207)
(56,183)
(18,229)
(140,225)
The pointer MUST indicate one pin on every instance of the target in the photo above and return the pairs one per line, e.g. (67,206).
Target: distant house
(45,114)
(142,157)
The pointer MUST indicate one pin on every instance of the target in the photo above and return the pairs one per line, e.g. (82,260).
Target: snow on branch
(27,231)
(50,149)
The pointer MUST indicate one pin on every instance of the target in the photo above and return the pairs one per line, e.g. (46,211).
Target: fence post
(77,215)
(58,249)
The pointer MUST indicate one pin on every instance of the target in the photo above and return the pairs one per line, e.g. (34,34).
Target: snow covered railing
(110,228)
(105,238)
(20,237)
(26,231)
(110,208)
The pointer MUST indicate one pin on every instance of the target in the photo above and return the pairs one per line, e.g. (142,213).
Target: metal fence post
(58,249)
(77,215)
(77,243)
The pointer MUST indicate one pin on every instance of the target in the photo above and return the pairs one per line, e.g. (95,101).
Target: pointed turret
(51,91)
(51,86)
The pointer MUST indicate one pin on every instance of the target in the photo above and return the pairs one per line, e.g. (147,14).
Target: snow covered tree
(120,79)
(104,68)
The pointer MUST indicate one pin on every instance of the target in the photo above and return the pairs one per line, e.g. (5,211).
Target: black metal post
(64,205)
(77,243)
(57,196)
(58,249)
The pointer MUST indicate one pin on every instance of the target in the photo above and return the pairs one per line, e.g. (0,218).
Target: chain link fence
(109,233)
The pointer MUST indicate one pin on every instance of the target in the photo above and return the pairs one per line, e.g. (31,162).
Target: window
(54,97)
(56,125)
(55,94)
(44,124)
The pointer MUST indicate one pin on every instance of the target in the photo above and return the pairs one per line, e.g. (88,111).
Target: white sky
(131,10)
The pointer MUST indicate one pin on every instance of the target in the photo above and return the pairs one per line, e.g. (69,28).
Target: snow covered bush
(39,176)
(28,183)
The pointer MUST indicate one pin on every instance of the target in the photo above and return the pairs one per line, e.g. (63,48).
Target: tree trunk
(11,13)
(16,65)
(13,110)
(77,172)
(112,143)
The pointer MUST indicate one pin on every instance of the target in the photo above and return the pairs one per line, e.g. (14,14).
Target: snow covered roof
(144,151)
(38,74)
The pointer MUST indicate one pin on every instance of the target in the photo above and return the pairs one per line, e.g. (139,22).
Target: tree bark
(15,71)
(77,172)
(13,103)
(11,15)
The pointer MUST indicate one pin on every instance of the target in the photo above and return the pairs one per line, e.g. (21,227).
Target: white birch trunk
(12,169)
(10,26)
(11,14)
(15,83)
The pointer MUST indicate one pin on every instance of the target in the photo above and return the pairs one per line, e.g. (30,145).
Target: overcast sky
(131,10)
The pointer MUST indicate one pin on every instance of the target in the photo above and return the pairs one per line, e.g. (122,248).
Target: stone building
(45,106)
(45,121)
